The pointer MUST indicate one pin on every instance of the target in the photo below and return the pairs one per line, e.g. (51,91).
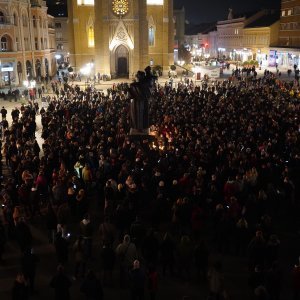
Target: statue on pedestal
(140,92)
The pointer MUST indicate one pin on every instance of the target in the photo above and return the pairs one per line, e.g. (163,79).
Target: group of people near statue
(221,166)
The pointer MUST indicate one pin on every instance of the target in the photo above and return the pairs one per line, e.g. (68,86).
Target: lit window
(151,36)
(85,2)
(1,17)
(289,12)
(91,41)
(155,2)
(283,13)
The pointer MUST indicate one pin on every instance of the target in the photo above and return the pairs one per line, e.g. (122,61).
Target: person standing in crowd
(108,257)
(80,259)
(137,281)
(51,223)
(23,235)
(152,278)
(91,287)
(29,265)
(86,231)
(107,232)
(61,247)
(2,241)
(61,284)
(296,281)
(216,281)
(20,289)
(127,254)
(3,113)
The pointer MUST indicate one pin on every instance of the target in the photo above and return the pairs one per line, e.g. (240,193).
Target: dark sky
(199,11)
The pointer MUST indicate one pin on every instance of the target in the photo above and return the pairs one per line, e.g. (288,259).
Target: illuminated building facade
(120,37)
(27,37)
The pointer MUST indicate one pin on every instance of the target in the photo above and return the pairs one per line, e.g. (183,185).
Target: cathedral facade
(120,37)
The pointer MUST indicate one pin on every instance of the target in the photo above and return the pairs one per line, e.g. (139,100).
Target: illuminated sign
(7,69)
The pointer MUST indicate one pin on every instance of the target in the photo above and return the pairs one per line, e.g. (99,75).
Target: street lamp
(57,57)
(86,71)
(30,85)
(181,62)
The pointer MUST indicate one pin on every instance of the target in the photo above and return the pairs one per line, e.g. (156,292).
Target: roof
(193,29)
(178,7)
(265,20)
(58,10)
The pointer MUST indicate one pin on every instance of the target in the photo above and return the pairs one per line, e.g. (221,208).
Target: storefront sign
(7,69)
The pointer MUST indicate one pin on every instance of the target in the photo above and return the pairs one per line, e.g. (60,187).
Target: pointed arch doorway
(122,61)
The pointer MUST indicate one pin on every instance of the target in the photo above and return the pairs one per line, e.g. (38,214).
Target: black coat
(61,284)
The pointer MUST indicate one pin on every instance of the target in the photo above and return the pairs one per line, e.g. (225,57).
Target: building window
(297,10)
(34,21)
(26,43)
(283,13)
(17,44)
(289,12)
(24,20)
(57,25)
(85,2)
(58,35)
(4,44)
(60,47)
(151,36)
(42,44)
(2,18)
(46,43)
(15,20)
(36,43)
(91,41)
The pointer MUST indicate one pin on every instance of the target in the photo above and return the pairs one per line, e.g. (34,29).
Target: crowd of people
(221,165)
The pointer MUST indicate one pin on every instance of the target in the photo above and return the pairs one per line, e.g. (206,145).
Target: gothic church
(121,37)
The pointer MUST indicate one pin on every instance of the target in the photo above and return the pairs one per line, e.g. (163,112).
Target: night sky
(199,11)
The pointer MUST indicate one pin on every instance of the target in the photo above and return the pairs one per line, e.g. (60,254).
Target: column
(71,34)
(144,42)
(101,34)
(16,72)
(168,35)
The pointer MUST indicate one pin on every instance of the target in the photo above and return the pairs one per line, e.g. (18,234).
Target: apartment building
(27,38)
(287,52)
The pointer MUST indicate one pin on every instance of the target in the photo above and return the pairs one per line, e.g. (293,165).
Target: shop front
(285,58)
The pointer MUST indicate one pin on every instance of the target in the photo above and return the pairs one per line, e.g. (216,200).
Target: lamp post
(57,57)
(30,85)
(86,71)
